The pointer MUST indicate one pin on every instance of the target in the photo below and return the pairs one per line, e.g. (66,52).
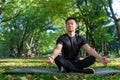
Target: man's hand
(55,53)
(104,60)
(50,60)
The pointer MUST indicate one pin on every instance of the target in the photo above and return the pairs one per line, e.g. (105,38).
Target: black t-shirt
(71,45)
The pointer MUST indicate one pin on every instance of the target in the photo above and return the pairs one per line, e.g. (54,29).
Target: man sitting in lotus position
(69,44)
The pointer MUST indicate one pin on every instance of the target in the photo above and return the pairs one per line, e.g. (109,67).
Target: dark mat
(33,70)
(106,71)
(56,71)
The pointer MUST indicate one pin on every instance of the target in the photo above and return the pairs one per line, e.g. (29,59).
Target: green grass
(8,64)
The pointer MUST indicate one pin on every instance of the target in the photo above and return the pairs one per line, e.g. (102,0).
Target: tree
(110,13)
(29,22)
(34,25)
(94,17)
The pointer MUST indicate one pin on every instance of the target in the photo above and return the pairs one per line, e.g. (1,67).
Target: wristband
(51,57)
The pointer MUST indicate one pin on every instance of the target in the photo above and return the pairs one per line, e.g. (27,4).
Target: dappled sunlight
(31,29)
(9,64)
(27,59)
(42,62)
(25,63)
(113,62)
(22,64)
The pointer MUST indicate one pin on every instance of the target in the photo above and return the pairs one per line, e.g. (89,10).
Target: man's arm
(55,53)
(92,52)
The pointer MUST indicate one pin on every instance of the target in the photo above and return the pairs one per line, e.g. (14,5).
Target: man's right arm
(55,53)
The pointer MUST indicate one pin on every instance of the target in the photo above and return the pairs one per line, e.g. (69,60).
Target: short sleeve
(59,40)
(84,41)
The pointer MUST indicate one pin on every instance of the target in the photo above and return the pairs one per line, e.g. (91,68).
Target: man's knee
(92,58)
(58,58)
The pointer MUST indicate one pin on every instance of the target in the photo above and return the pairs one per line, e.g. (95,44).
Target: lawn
(9,64)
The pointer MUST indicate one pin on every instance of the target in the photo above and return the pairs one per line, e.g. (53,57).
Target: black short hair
(71,18)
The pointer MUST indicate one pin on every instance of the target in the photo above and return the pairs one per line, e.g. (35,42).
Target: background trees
(31,27)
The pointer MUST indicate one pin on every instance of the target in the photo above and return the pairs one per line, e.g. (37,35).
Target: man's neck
(71,34)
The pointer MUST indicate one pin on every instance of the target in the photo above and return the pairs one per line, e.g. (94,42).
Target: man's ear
(77,29)
(76,25)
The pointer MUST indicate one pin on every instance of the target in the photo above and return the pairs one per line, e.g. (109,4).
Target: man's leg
(82,65)
(66,64)
(88,61)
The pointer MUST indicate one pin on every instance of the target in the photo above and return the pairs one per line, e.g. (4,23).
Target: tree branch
(118,19)
(111,9)
(106,9)
(11,17)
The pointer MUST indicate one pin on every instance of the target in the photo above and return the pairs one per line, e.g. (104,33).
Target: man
(69,44)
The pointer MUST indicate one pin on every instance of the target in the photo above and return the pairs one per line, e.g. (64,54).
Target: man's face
(71,25)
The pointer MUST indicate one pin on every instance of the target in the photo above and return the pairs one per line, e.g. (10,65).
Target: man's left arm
(92,52)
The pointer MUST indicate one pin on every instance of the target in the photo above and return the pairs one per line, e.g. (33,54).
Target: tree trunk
(105,49)
(12,52)
(117,28)
(113,16)
(115,19)
(117,52)
(20,49)
(21,45)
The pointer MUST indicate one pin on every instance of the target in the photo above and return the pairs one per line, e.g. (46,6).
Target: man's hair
(71,18)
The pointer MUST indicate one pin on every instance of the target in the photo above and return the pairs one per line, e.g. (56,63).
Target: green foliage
(101,35)
(43,21)
(31,19)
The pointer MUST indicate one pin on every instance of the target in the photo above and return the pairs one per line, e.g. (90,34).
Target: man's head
(71,24)
(69,18)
